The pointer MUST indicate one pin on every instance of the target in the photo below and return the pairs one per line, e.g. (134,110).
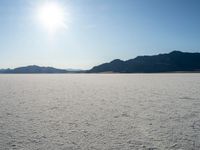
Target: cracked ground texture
(100,112)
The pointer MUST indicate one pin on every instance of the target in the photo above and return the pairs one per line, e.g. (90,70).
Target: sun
(52,16)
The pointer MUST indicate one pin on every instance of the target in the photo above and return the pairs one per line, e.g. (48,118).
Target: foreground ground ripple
(100,112)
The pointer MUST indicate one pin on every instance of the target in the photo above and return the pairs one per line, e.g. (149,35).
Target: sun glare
(52,16)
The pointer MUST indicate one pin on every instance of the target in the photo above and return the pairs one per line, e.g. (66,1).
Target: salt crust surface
(100,112)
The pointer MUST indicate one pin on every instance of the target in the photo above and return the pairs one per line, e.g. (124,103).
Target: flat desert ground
(100,112)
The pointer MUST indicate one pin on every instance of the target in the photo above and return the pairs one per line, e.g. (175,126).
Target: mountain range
(175,61)
(34,69)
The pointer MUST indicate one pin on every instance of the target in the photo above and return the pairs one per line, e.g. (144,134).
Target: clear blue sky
(97,31)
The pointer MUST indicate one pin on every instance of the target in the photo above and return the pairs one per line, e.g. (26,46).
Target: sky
(95,31)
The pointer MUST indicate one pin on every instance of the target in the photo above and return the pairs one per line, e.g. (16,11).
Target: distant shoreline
(176,72)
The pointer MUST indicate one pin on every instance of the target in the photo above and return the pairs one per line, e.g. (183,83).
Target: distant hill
(176,61)
(171,62)
(34,69)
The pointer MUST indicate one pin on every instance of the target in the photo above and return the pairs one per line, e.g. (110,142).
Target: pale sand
(100,112)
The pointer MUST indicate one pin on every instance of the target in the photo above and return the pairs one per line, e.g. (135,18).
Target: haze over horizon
(82,34)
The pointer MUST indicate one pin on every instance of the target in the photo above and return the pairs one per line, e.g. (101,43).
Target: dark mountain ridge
(171,62)
(175,61)
(34,69)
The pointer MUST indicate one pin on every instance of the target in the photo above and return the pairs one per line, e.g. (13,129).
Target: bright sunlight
(52,16)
